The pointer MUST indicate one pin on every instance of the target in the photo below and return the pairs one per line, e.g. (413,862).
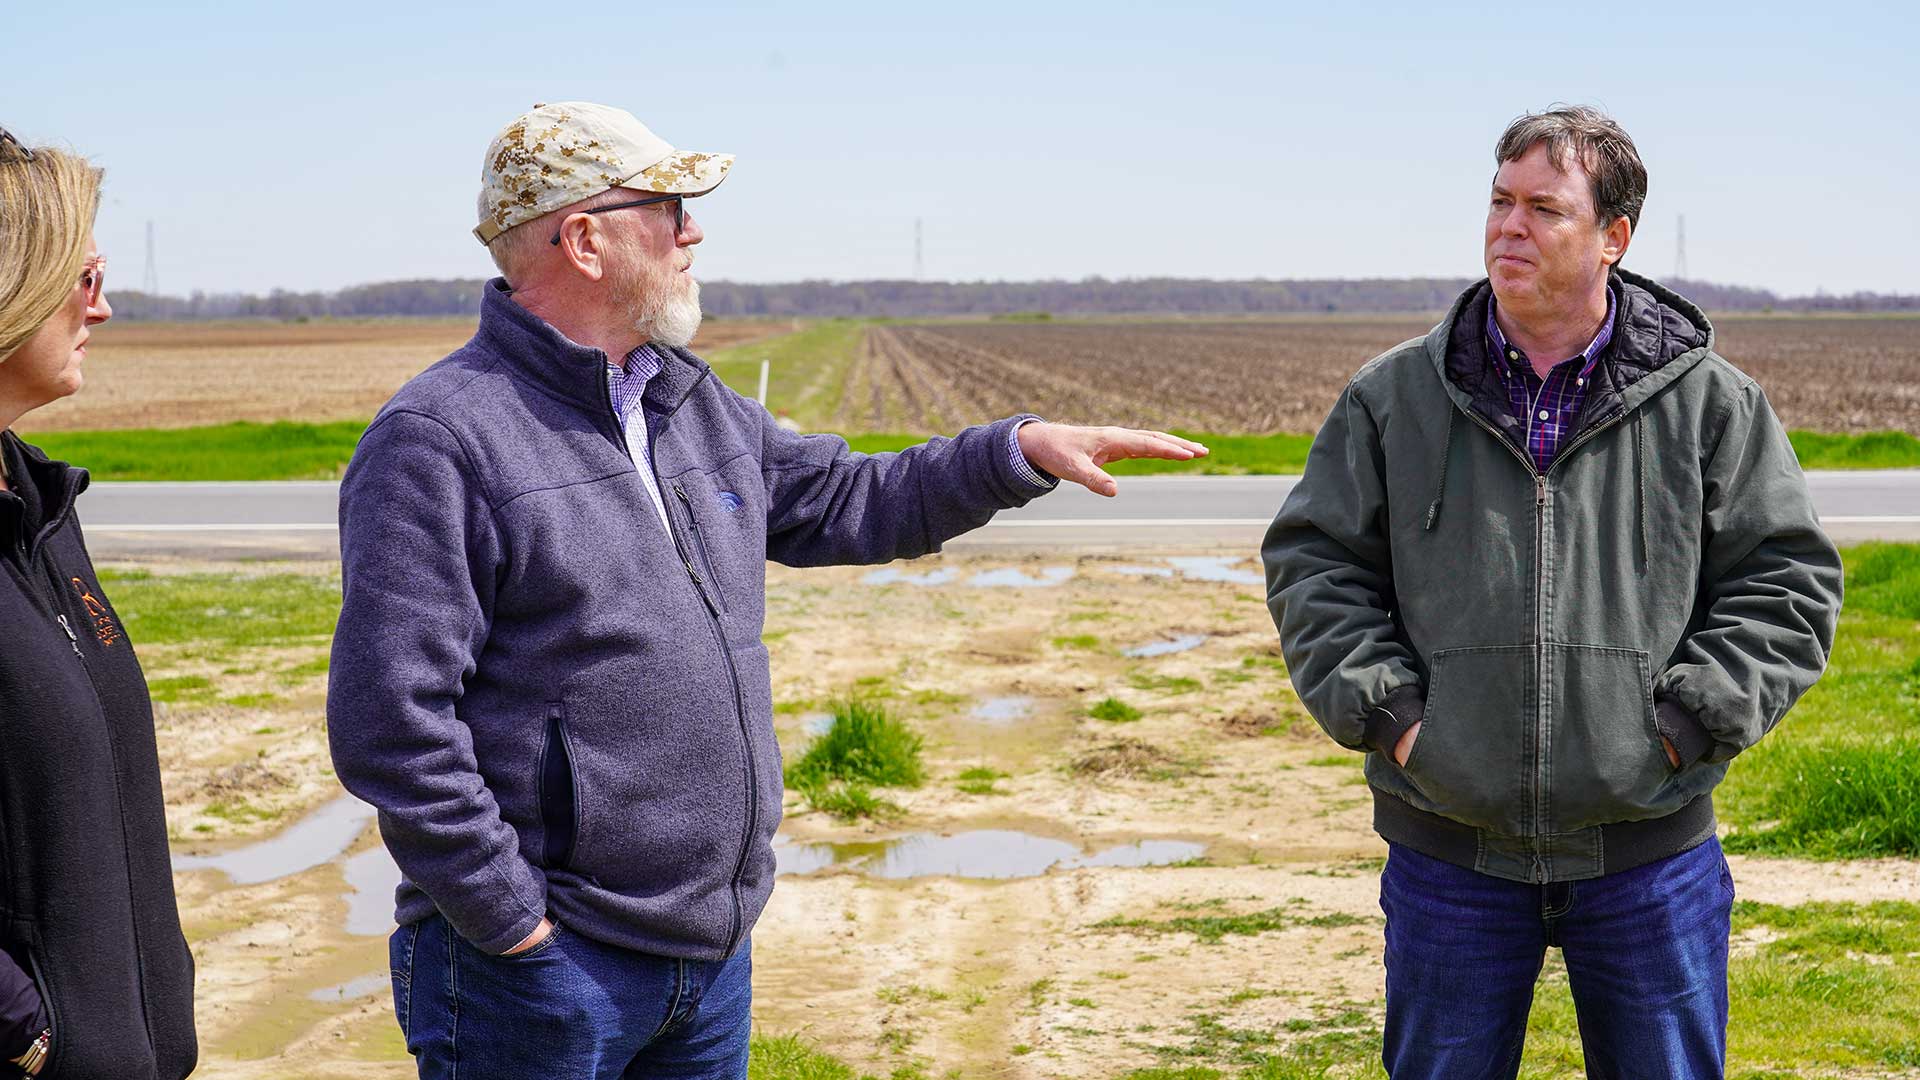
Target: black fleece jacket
(88,924)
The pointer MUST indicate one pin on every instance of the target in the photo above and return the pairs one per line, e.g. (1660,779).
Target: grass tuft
(865,746)
(1114,711)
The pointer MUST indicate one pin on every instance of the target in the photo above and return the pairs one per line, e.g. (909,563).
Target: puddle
(816,724)
(893,575)
(1011,578)
(373,877)
(1142,853)
(983,853)
(1162,648)
(1143,571)
(320,837)
(353,989)
(1003,710)
(1216,568)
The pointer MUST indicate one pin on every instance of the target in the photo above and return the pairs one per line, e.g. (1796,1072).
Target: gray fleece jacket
(1664,576)
(558,706)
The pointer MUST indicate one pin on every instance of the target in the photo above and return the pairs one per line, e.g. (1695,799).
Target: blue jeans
(1646,955)
(570,1007)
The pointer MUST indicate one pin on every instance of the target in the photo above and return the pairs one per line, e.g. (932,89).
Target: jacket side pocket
(559,802)
(1607,763)
(1471,760)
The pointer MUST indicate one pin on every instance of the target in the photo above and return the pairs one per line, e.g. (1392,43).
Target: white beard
(675,318)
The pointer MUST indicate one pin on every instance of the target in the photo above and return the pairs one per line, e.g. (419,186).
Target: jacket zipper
(752,822)
(1539,875)
(700,545)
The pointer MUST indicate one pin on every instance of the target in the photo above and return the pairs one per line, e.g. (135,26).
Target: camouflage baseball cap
(562,153)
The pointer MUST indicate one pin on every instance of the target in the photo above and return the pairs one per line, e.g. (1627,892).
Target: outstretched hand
(1076,453)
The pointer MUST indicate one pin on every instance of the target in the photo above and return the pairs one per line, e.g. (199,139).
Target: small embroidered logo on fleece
(731,502)
(104,627)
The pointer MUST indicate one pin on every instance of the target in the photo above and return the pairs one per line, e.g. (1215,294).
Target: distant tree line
(907,299)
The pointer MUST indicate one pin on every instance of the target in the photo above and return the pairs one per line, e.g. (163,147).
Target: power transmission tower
(919,251)
(150,281)
(1680,251)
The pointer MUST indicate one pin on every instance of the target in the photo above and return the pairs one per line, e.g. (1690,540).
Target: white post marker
(762,399)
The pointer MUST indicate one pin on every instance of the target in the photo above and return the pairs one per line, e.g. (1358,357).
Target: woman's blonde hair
(47,204)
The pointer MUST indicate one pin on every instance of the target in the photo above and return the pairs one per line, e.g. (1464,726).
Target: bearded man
(548,673)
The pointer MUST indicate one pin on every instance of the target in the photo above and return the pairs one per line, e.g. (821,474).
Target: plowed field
(182,374)
(1824,374)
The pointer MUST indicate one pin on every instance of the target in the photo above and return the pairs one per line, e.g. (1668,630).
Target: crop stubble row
(1825,374)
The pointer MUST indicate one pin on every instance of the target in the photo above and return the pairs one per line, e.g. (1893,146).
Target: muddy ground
(1013,977)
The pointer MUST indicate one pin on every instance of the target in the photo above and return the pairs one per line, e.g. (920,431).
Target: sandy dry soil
(992,978)
(183,374)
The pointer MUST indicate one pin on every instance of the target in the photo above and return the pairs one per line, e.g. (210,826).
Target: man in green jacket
(1551,567)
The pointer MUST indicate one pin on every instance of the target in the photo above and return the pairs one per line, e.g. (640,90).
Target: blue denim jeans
(570,1007)
(1646,955)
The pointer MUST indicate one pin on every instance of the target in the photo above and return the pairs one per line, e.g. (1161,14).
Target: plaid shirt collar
(1547,408)
(627,382)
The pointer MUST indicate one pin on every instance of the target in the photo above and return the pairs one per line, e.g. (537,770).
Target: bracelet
(36,1054)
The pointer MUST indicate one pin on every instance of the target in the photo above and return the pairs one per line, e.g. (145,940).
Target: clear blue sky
(311,146)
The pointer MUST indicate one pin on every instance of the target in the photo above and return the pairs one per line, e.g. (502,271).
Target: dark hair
(1613,166)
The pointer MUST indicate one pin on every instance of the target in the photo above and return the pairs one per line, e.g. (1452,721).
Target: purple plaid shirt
(1547,407)
(627,383)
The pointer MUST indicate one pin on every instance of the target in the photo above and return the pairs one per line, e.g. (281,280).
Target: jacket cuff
(1404,707)
(1028,473)
(1026,481)
(1690,738)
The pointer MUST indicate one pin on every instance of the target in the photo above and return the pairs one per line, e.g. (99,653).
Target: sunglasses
(7,138)
(679,212)
(93,278)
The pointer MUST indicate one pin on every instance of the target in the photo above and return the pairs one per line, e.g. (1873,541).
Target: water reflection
(981,853)
(1162,648)
(320,837)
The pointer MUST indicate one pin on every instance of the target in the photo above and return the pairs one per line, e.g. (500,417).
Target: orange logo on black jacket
(104,627)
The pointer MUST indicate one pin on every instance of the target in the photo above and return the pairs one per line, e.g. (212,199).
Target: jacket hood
(1658,336)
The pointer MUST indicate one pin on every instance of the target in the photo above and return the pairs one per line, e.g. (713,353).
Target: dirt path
(1063,974)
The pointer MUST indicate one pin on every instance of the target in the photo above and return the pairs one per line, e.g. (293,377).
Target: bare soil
(1010,978)
(186,374)
(1851,375)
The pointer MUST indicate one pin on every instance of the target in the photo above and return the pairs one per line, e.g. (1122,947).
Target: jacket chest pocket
(701,555)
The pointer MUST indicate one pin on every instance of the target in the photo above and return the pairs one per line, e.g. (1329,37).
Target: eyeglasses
(679,212)
(93,278)
(7,138)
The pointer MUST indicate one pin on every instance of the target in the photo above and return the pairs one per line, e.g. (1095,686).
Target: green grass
(1231,455)
(224,609)
(1114,711)
(979,781)
(237,451)
(808,369)
(1831,987)
(1840,776)
(1874,450)
(1211,929)
(785,1057)
(866,746)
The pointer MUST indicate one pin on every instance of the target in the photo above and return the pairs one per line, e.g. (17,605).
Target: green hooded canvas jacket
(1666,575)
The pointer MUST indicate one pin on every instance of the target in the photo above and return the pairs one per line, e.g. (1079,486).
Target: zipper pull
(1539,491)
(691,572)
(72,639)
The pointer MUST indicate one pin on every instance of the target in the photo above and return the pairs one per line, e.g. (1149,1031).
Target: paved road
(296,519)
